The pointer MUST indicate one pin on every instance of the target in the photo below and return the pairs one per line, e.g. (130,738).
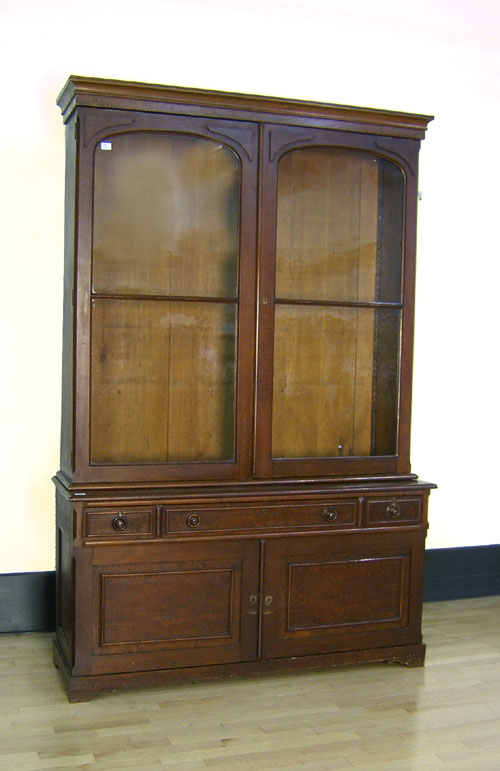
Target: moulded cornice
(118,94)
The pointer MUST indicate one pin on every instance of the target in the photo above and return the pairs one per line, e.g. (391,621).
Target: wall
(433,57)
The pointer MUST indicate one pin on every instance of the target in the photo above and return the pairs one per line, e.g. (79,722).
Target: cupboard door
(169,271)
(333,318)
(164,606)
(339,593)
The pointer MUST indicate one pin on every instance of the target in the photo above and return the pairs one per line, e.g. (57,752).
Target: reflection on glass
(339,226)
(335,388)
(163,381)
(165,216)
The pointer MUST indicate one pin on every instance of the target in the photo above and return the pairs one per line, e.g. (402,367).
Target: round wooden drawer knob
(119,523)
(393,511)
(193,520)
(330,515)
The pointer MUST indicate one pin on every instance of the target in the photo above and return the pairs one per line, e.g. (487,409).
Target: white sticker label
(106,145)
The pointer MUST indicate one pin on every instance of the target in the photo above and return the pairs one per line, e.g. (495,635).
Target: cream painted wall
(437,56)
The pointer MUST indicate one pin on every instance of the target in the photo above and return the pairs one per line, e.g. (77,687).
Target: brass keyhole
(253,601)
(268,601)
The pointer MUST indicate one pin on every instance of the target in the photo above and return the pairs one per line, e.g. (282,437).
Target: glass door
(331,312)
(170,331)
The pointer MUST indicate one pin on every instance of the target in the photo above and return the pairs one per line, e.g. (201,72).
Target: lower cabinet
(164,606)
(158,592)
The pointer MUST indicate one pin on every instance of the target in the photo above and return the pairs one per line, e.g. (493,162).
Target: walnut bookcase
(235,493)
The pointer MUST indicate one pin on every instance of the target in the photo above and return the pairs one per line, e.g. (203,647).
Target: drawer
(328,514)
(394,511)
(121,523)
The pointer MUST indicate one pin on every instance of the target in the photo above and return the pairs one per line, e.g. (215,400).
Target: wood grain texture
(368,717)
(163,381)
(322,381)
(326,233)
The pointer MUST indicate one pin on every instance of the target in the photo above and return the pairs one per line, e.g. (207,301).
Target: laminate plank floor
(374,717)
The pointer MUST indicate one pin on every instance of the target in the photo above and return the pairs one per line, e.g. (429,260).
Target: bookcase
(235,493)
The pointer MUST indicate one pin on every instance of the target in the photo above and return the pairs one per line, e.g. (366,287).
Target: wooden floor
(443,716)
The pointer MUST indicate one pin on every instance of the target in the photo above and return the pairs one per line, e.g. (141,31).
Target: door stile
(262,556)
(265,308)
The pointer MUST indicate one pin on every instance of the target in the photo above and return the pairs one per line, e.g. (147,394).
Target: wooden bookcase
(235,493)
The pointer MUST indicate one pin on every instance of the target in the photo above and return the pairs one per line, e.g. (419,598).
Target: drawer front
(394,511)
(328,514)
(123,523)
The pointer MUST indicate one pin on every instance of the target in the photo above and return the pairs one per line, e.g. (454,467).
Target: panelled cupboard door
(334,359)
(166,299)
(341,593)
(160,606)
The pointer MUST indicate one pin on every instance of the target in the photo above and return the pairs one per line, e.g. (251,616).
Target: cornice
(118,94)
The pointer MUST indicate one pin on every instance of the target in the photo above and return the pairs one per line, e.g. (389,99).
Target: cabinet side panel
(64,576)
(69,256)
